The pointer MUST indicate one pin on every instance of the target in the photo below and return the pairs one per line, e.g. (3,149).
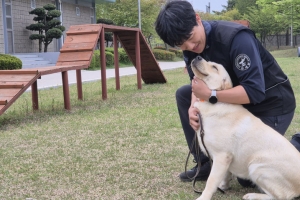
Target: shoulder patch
(242,62)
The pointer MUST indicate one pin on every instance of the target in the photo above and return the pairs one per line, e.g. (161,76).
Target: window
(33,4)
(92,16)
(77,11)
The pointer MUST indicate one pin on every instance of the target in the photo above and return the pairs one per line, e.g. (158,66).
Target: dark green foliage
(105,21)
(54,33)
(123,57)
(49,6)
(47,25)
(95,63)
(163,55)
(62,28)
(177,52)
(38,11)
(53,23)
(108,36)
(8,62)
(36,27)
(36,37)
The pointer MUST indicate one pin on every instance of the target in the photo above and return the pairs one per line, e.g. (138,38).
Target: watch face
(213,99)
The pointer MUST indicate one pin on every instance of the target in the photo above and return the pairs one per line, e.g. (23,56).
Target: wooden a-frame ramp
(76,54)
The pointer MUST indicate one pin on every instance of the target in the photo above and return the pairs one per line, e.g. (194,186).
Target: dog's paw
(256,196)
(224,186)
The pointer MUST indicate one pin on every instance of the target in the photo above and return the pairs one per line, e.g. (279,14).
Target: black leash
(197,149)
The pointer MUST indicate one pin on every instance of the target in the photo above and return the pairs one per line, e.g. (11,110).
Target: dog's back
(259,152)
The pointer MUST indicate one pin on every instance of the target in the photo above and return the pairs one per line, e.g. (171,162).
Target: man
(259,83)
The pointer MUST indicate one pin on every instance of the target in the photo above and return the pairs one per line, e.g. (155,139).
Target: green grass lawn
(130,146)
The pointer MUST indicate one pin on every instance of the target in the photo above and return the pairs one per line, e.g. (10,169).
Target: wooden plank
(10,85)
(78,47)
(3,101)
(21,71)
(13,82)
(85,64)
(16,77)
(6,98)
(86,38)
(8,92)
(112,28)
(84,29)
(75,56)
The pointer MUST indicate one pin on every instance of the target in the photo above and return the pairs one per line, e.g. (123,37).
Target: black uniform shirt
(247,70)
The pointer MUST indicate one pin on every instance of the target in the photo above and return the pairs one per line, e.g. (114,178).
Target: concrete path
(55,80)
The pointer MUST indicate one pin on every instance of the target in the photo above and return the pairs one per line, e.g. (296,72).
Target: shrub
(160,47)
(123,57)
(8,62)
(95,62)
(178,52)
(163,55)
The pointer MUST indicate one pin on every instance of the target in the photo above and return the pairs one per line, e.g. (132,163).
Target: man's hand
(200,89)
(193,117)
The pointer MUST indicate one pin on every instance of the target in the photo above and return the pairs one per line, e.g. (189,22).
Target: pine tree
(47,25)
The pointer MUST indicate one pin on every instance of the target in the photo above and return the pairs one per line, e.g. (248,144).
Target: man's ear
(198,19)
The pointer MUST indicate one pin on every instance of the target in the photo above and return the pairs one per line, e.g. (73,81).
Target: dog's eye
(215,67)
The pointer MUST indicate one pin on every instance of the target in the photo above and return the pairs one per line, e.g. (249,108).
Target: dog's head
(214,75)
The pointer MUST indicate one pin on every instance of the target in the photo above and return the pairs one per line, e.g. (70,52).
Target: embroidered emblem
(242,62)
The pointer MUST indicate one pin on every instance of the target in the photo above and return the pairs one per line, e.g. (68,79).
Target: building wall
(1,30)
(70,17)
(22,18)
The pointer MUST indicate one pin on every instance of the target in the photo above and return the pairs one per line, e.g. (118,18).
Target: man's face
(196,43)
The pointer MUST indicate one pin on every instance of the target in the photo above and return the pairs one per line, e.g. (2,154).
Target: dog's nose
(199,58)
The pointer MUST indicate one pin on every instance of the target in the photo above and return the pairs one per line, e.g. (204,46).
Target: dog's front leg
(218,173)
(224,185)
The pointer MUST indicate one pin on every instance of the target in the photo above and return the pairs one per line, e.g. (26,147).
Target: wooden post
(79,84)
(66,92)
(103,64)
(138,60)
(116,60)
(34,96)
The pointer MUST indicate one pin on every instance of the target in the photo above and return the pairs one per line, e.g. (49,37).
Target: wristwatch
(213,97)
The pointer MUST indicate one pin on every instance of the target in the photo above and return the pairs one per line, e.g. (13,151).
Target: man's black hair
(175,22)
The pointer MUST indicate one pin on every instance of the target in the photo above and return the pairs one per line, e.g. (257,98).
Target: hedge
(9,62)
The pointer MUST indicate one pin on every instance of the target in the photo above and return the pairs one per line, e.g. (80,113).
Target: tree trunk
(45,47)
(40,45)
(277,41)
(287,37)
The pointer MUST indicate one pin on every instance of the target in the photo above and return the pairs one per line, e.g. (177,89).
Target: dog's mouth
(194,67)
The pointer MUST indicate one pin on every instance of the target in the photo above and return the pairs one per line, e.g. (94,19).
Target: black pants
(183,98)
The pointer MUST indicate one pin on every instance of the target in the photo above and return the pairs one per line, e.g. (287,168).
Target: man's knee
(184,93)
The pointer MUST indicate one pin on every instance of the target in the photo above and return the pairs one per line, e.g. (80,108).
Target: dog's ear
(226,84)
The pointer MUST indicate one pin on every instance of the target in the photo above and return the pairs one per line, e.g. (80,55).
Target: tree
(243,5)
(47,25)
(125,13)
(286,13)
(108,36)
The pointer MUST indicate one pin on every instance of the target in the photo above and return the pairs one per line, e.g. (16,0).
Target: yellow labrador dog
(240,144)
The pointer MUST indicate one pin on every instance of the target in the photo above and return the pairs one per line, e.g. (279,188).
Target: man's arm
(236,95)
